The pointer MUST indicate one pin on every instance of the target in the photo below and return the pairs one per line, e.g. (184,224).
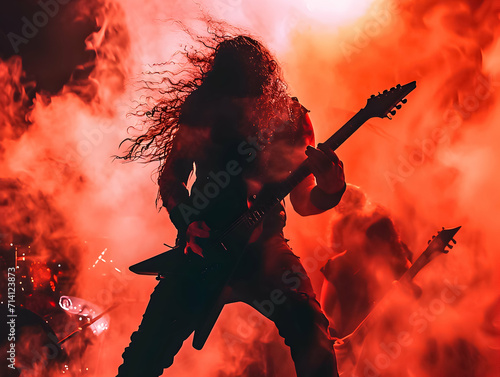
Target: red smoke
(432,166)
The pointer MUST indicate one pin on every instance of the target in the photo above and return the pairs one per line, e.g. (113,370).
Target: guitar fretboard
(254,215)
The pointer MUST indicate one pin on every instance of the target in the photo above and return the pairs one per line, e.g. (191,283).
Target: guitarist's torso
(235,156)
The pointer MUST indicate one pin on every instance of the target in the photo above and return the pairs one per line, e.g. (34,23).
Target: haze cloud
(432,166)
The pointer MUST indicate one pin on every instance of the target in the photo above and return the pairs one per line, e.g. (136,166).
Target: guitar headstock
(385,103)
(441,243)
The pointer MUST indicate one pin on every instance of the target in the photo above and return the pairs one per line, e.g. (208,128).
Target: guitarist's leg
(167,322)
(281,290)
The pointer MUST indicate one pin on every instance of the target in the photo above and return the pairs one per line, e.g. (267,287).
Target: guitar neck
(335,141)
(406,278)
(436,247)
(253,216)
(415,268)
(377,106)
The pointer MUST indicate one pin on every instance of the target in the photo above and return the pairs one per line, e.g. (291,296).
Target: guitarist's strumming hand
(196,231)
(327,169)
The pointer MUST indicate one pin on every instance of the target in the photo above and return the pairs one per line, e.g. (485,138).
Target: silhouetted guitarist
(241,131)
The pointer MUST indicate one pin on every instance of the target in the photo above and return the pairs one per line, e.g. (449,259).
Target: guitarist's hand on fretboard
(197,232)
(326,168)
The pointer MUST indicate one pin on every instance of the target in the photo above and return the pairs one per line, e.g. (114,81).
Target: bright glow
(330,11)
(87,310)
(100,257)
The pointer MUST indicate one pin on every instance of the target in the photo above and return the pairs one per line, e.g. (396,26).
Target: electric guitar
(347,348)
(227,246)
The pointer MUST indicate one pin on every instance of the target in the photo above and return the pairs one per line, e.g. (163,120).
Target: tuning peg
(385,91)
(393,112)
(393,88)
(428,242)
(453,240)
(398,86)
(372,96)
(398,107)
(450,246)
(433,237)
(404,100)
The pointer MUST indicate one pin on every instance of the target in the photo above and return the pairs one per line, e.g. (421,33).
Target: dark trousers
(271,279)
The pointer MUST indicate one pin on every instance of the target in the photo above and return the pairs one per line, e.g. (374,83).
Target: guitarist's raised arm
(323,189)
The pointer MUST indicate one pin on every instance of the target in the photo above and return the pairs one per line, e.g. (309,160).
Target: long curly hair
(224,63)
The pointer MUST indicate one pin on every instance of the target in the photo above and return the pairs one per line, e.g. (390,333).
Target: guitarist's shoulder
(303,125)
(296,103)
(341,263)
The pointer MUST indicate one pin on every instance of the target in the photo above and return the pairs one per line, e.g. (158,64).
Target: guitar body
(170,262)
(213,271)
(175,261)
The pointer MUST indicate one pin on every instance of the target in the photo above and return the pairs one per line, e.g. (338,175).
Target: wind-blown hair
(223,65)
